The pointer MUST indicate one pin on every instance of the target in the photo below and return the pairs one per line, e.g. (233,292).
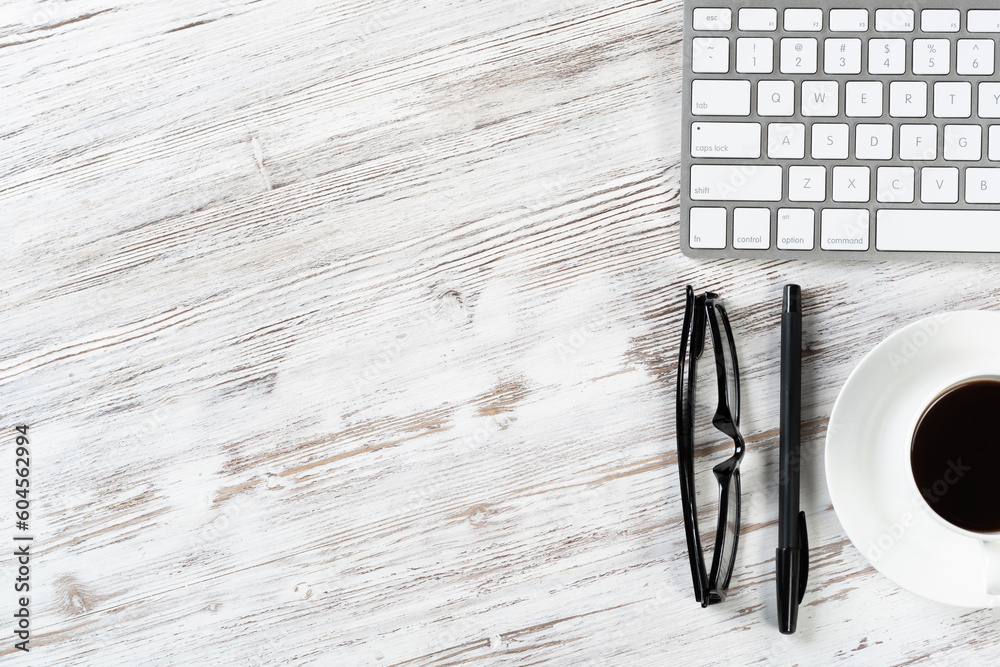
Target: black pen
(792,555)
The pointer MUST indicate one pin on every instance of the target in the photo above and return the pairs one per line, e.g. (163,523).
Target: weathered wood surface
(347,331)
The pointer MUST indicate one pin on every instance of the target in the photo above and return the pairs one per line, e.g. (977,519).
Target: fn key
(707,227)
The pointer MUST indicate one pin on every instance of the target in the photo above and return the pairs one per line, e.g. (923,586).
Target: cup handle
(991,552)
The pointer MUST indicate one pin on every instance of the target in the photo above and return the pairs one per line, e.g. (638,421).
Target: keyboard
(828,130)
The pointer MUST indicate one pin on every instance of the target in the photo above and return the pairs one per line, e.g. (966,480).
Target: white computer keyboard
(830,130)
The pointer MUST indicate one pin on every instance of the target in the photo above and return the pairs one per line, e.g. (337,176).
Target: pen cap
(792,301)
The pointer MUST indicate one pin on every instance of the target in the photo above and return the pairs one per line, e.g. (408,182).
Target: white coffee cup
(902,450)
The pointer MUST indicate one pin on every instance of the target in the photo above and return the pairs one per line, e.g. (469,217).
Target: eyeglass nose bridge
(738,450)
(723,421)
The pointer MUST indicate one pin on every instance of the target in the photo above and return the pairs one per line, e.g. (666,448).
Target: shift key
(737,182)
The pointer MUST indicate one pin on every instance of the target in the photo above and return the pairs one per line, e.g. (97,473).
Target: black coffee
(955,455)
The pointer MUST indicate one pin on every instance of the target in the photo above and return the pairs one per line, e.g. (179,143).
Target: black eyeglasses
(701,313)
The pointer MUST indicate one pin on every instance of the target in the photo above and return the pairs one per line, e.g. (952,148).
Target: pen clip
(803,555)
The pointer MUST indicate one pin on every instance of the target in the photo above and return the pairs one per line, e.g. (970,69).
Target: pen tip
(792,302)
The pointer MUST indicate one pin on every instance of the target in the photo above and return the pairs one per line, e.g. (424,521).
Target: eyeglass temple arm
(685,448)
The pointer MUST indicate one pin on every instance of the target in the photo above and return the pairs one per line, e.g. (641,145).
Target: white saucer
(875,409)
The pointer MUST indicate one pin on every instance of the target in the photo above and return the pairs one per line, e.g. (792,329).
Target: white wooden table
(346,334)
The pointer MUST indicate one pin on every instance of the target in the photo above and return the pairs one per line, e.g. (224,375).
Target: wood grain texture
(347,333)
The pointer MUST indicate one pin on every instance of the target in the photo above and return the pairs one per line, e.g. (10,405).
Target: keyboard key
(918,142)
(725,140)
(752,228)
(864,99)
(994,143)
(758,19)
(747,182)
(989,100)
(755,55)
(908,99)
(707,227)
(984,20)
(975,56)
(720,98)
(798,55)
(963,142)
(894,184)
(887,56)
(715,18)
(803,20)
(848,20)
(894,20)
(807,183)
(943,231)
(795,228)
(844,229)
(829,141)
(940,20)
(931,56)
(842,56)
(952,99)
(939,185)
(819,98)
(851,184)
(982,185)
(873,142)
(710,55)
(776,98)
(786,140)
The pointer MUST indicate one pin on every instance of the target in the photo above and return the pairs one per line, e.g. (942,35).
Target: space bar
(937,231)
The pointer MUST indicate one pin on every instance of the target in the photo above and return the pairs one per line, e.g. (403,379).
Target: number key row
(755,55)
